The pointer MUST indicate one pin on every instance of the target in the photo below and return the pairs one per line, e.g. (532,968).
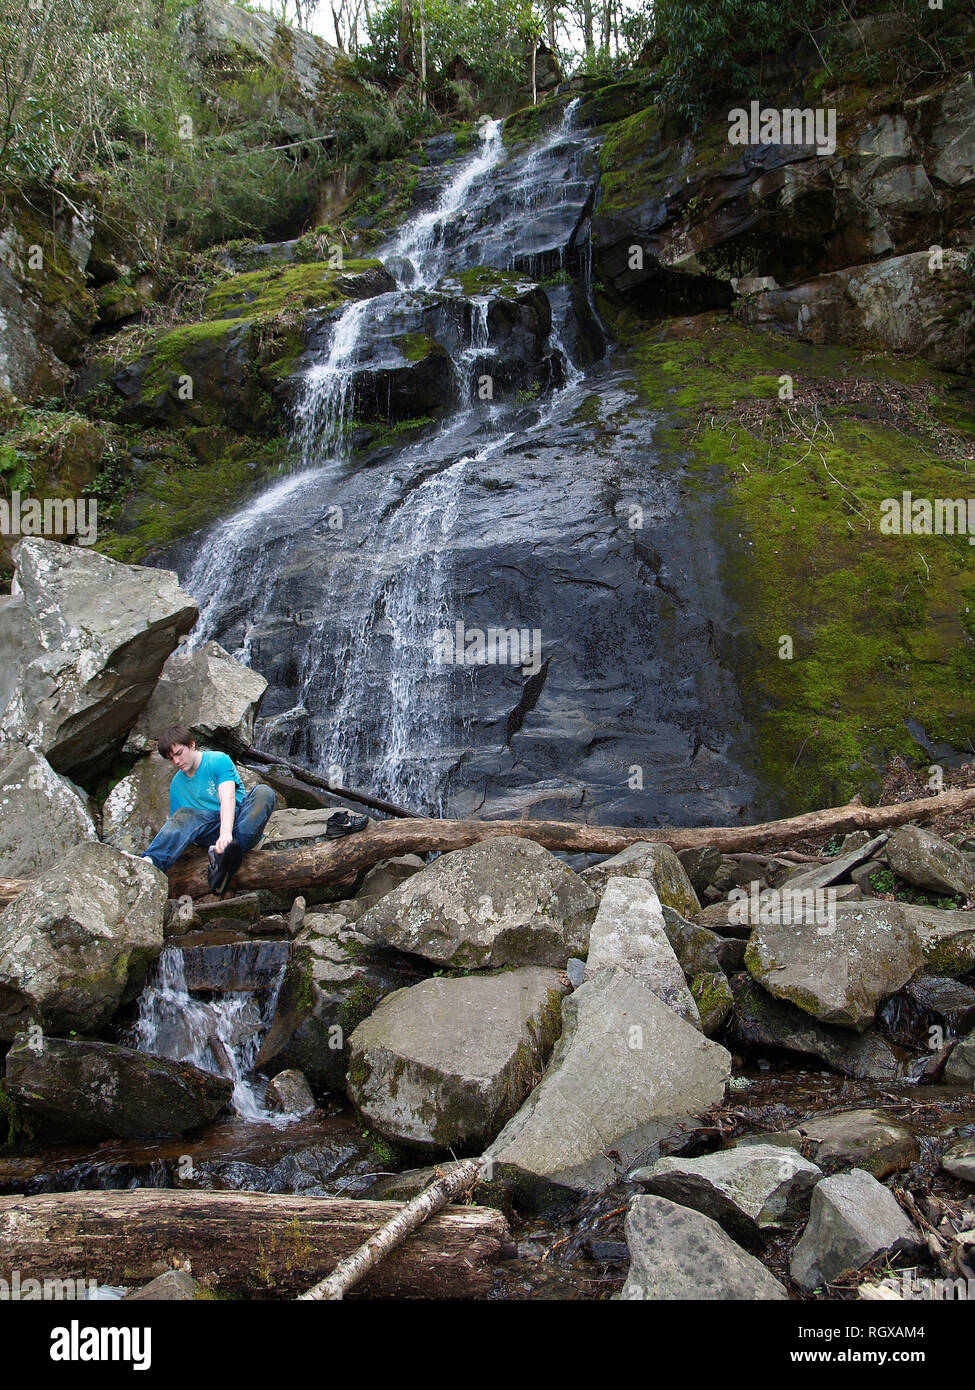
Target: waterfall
(223,1035)
(392,577)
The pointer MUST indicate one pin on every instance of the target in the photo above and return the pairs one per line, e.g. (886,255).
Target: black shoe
(223,867)
(344,823)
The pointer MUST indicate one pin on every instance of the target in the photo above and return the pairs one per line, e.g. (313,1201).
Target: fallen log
(249,1243)
(391,1236)
(339,862)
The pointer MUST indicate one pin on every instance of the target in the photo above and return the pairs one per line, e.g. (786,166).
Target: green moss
(416,347)
(277,288)
(484,279)
(882,626)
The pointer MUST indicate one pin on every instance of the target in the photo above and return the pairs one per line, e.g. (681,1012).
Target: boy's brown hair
(177,733)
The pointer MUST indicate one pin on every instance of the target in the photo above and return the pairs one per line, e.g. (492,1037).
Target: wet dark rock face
(544,510)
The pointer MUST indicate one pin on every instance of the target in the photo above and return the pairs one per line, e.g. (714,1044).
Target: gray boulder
(41,814)
(960,1066)
(652,861)
(704,958)
(175,1286)
(747,1190)
(96,1090)
(505,901)
(930,862)
(446,1063)
(678,1254)
(334,980)
(866,1139)
(852,1218)
(840,970)
(627,1073)
(947,939)
(288,1093)
(758,1020)
(82,643)
(209,692)
(629,932)
(79,940)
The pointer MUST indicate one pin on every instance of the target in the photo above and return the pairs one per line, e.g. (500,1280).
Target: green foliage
(716,50)
(487,36)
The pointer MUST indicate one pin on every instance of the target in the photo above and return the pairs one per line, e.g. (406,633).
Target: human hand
(222,843)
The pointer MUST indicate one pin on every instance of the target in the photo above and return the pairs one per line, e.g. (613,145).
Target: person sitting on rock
(208,807)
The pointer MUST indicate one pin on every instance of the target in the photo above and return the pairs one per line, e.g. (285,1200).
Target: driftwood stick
(341,861)
(312,779)
(355,1266)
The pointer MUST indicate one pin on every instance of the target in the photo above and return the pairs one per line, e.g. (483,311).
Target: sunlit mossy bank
(882,626)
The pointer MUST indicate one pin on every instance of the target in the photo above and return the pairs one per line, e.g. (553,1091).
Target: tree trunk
(405,33)
(252,1243)
(534,82)
(341,861)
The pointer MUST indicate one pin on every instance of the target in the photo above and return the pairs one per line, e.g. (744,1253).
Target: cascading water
(501,511)
(221,1035)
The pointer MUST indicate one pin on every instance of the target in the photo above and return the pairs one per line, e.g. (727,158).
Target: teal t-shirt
(199,792)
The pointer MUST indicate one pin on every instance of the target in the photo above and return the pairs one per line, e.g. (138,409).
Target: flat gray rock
(838,970)
(748,1190)
(627,1073)
(852,1218)
(447,1062)
(959,1159)
(867,1139)
(629,932)
(678,1254)
(505,901)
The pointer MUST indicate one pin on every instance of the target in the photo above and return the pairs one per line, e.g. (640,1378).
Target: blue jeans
(188,827)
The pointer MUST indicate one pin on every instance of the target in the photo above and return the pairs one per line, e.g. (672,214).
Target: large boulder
(705,958)
(629,932)
(138,804)
(678,1254)
(748,1190)
(334,980)
(759,1020)
(925,859)
(79,940)
(867,1139)
(627,1073)
(659,865)
(837,970)
(96,1090)
(852,1218)
(41,814)
(82,643)
(947,939)
(505,901)
(446,1063)
(209,692)
(960,1066)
